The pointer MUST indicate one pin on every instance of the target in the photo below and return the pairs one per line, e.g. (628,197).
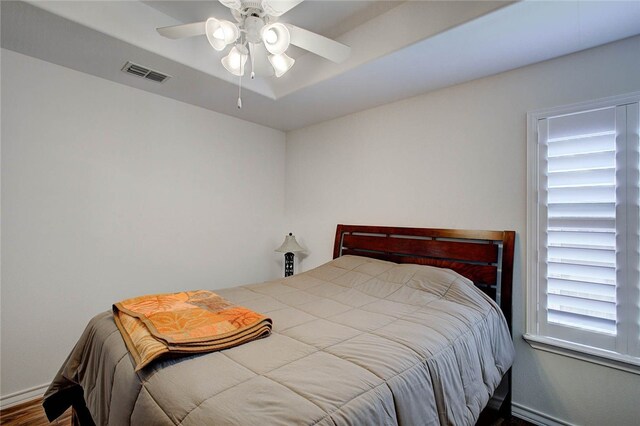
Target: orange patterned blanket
(186,322)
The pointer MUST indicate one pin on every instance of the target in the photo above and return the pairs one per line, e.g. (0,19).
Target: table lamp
(289,247)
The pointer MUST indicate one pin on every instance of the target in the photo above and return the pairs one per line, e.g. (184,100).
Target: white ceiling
(399,49)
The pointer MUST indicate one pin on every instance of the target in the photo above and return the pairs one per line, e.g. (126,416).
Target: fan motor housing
(252,26)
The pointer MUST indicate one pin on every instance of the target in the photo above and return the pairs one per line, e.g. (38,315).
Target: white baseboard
(25,395)
(536,417)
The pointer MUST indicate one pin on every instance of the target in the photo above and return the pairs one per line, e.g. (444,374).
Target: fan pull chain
(253,66)
(240,89)
(240,80)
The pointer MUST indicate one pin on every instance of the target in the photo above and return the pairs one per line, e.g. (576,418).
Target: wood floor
(31,413)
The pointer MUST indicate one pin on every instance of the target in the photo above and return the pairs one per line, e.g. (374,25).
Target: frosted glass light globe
(219,34)
(270,36)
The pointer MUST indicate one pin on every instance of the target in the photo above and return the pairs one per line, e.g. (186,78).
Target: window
(583,277)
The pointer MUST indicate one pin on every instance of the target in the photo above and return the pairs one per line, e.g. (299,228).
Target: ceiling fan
(259,37)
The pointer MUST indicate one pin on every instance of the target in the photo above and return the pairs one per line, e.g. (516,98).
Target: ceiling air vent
(144,72)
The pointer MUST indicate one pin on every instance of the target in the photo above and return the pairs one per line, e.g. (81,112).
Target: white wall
(110,192)
(456,158)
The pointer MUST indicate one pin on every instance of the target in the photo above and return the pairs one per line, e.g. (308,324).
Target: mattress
(355,341)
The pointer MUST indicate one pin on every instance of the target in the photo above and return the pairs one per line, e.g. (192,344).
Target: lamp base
(288,264)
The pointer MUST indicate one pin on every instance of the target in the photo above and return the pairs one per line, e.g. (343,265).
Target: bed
(404,326)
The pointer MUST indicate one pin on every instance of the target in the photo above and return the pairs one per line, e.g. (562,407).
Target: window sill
(585,353)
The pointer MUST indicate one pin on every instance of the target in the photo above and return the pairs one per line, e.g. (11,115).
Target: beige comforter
(355,341)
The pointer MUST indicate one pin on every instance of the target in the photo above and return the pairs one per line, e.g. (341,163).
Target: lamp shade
(221,33)
(290,245)
(281,63)
(236,59)
(276,38)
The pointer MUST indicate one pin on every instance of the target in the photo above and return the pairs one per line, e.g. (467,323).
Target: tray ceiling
(399,49)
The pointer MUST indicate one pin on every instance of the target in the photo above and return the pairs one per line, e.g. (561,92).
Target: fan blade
(279,7)
(232,4)
(260,61)
(183,31)
(320,45)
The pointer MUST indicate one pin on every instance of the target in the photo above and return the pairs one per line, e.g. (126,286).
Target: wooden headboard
(485,257)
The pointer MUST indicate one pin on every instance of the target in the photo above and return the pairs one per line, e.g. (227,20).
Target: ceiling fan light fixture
(276,38)
(220,33)
(281,63)
(257,36)
(235,61)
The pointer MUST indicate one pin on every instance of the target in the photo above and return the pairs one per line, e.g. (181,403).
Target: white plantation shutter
(587,223)
(581,219)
